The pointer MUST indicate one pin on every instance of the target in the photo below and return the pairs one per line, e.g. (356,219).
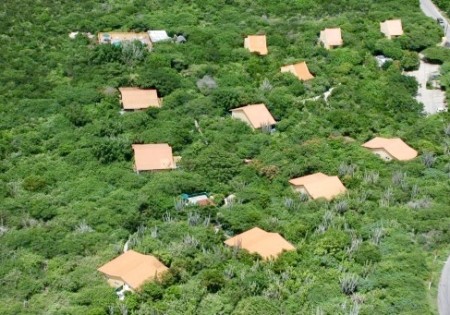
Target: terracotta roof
(331,36)
(395,147)
(319,185)
(257,114)
(149,157)
(117,37)
(205,202)
(201,200)
(308,179)
(300,70)
(392,27)
(134,268)
(256,43)
(267,245)
(135,98)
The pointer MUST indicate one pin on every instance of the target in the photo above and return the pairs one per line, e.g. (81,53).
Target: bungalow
(318,185)
(153,157)
(74,35)
(116,38)
(267,245)
(391,28)
(129,271)
(256,115)
(256,43)
(300,70)
(331,37)
(134,98)
(199,199)
(391,149)
(158,36)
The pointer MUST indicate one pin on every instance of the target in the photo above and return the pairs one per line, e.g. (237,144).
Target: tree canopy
(70,198)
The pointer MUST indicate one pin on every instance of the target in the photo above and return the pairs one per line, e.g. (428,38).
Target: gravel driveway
(432,99)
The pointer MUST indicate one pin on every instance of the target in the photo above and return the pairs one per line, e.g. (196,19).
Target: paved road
(429,9)
(444,290)
(432,99)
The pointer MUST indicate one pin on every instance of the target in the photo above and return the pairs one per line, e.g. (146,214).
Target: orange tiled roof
(135,98)
(149,157)
(331,36)
(205,202)
(319,185)
(267,245)
(300,70)
(134,268)
(392,27)
(257,114)
(395,147)
(256,43)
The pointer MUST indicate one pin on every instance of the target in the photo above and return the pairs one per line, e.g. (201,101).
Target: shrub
(367,252)
(437,55)
(349,283)
(213,280)
(111,150)
(333,241)
(410,61)
(151,291)
(256,305)
(34,183)
(226,98)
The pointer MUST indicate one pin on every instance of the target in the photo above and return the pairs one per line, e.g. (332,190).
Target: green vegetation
(443,5)
(70,199)
(441,56)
